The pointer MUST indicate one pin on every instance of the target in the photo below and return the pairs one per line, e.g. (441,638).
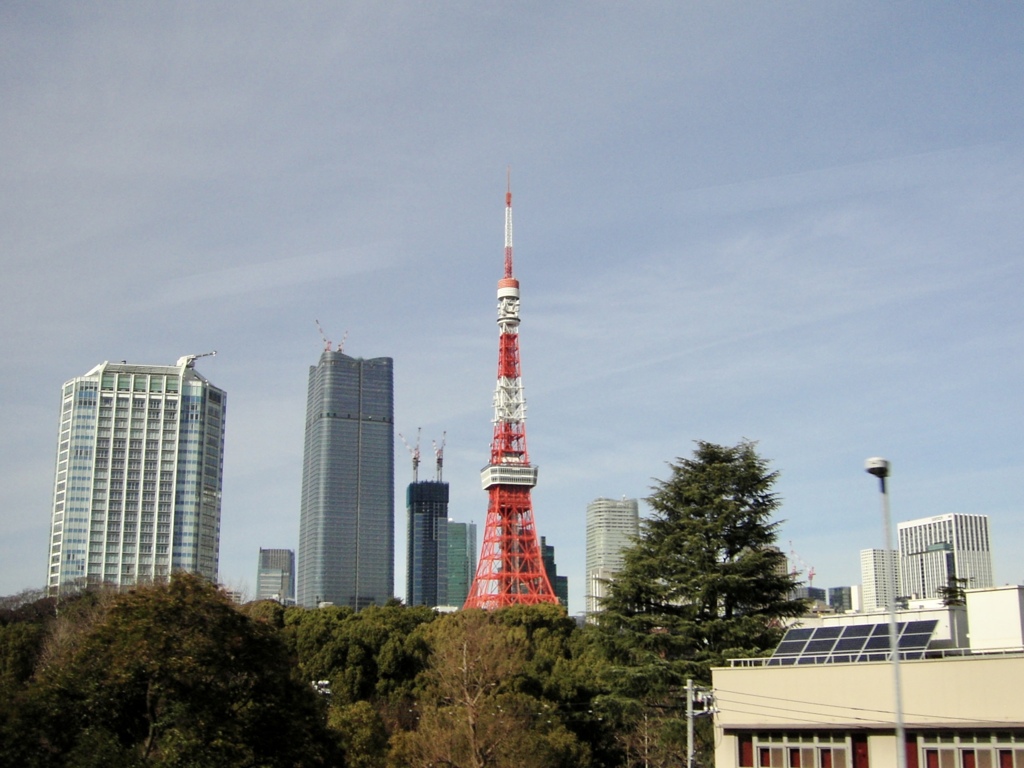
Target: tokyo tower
(510,570)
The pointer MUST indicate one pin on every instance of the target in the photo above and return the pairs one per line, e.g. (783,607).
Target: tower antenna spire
(508,222)
(511,569)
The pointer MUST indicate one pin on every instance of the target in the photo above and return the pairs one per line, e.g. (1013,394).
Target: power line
(848,708)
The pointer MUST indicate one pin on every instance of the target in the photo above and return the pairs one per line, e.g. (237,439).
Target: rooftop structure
(825,697)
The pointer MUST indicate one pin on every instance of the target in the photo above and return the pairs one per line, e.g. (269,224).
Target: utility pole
(706,698)
(689,722)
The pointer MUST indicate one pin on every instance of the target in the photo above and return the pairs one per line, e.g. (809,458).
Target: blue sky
(796,223)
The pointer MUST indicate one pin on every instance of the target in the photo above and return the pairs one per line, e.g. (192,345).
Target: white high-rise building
(879,575)
(611,527)
(935,549)
(140,465)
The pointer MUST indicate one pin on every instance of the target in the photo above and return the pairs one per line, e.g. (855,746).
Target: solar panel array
(852,643)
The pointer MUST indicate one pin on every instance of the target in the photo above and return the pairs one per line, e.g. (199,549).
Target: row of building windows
(970,749)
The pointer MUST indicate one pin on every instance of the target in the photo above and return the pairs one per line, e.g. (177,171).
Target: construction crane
(415,453)
(804,567)
(189,361)
(327,342)
(439,454)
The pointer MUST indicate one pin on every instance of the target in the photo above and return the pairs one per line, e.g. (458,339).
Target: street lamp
(879,467)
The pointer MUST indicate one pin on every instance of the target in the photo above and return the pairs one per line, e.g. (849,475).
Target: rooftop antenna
(189,361)
(415,452)
(439,454)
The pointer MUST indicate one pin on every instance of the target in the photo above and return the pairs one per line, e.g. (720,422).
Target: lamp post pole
(879,467)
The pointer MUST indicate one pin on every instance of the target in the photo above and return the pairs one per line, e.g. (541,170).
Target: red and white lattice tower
(510,570)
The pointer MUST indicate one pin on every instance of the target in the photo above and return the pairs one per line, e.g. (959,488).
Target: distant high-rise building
(346,525)
(140,467)
(933,550)
(560,584)
(840,599)
(427,572)
(814,594)
(275,577)
(879,575)
(461,560)
(612,525)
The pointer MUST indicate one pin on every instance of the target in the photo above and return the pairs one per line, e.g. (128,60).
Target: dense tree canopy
(164,675)
(176,675)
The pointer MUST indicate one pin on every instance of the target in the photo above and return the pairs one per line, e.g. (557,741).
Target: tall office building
(935,549)
(840,599)
(461,560)
(140,466)
(560,584)
(427,571)
(346,522)
(879,576)
(275,578)
(611,527)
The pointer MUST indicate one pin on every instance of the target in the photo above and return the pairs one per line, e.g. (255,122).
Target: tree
(167,675)
(953,593)
(474,710)
(703,583)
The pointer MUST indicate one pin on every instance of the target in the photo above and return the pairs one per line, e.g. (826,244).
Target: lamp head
(877,466)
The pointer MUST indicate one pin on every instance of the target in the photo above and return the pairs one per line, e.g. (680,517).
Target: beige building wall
(997,618)
(974,693)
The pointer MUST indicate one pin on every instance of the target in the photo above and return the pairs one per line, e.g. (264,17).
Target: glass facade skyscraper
(612,525)
(427,571)
(461,560)
(275,577)
(560,584)
(346,522)
(139,474)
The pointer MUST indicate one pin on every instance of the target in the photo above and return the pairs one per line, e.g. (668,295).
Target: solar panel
(855,642)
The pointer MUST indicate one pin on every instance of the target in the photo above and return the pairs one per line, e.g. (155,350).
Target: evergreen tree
(703,583)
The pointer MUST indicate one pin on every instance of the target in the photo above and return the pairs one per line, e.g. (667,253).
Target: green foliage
(362,733)
(702,584)
(478,703)
(704,581)
(168,675)
(20,646)
(268,611)
(177,676)
(953,593)
(373,655)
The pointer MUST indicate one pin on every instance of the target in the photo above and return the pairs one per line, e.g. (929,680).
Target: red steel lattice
(510,570)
